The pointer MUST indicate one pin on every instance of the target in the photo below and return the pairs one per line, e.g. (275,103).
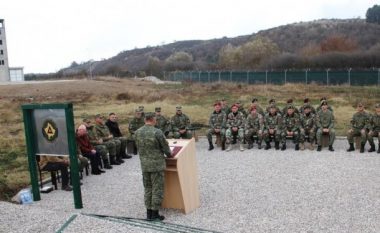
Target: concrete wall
(4,65)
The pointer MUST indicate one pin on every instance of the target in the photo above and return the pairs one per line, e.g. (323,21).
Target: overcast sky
(46,35)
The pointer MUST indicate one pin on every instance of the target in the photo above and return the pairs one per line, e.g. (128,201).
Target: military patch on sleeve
(49,130)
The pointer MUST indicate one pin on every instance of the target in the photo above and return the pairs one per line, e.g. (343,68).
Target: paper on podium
(175,150)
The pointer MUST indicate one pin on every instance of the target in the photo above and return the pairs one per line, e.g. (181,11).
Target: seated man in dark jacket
(88,150)
(113,127)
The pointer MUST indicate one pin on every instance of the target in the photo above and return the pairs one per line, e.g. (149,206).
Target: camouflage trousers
(296,136)
(102,150)
(113,147)
(307,132)
(153,189)
(186,135)
(362,133)
(250,133)
(331,134)
(371,134)
(210,132)
(230,134)
(276,135)
(123,144)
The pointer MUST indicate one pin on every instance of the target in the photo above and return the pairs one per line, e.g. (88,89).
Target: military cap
(272,106)
(307,106)
(290,106)
(323,98)
(306,100)
(149,115)
(138,110)
(254,100)
(99,116)
(217,103)
(234,105)
(157,109)
(323,102)
(178,108)
(289,101)
(377,106)
(272,101)
(86,120)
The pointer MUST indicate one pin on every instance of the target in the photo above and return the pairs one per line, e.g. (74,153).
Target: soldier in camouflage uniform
(152,147)
(325,124)
(319,108)
(255,104)
(374,129)
(235,127)
(308,126)
(113,145)
(97,142)
(291,127)
(217,124)
(254,126)
(272,127)
(306,102)
(285,109)
(272,102)
(114,129)
(180,124)
(161,122)
(134,124)
(359,127)
(241,108)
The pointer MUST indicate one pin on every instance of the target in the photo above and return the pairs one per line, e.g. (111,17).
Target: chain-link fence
(326,77)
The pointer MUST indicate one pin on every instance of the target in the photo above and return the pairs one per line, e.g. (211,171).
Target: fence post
(306,74)
(199,76)
(208,72)
(285,75)
(230,76)
(219,77)
(247,77)
(327,77)
(349,76)
(266,77)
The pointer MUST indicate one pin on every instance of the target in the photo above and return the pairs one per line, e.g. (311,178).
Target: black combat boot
(362,147)
(107,164)
(250,145)
(352,148)
(259,145)
(267,146)
(157,216)
(119,159)
(277,145)
(331,148)
(378,150)
(319,148)
(223,144)
(372,149)
(297,147)
(283,147)
(149,215)
(126,156)
(211,146)
(114,161)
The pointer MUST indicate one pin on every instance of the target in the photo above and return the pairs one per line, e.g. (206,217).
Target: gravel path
(250,191)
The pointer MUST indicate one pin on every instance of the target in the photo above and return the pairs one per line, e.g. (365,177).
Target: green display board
(49,131)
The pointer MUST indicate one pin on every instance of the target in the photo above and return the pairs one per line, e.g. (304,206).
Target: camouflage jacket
(308,122)
(273,121)
(291,122)
(360,120)
(260,110)
(235,120)
(242,110)
(255,122)
(135,124)
(103,132)
(162,123)
(375,122)
(92,135)
(285,110)
(180,122)
(152,146)
(217,120)
(325,119)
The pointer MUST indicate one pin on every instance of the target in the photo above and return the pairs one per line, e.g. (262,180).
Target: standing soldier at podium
(152,146)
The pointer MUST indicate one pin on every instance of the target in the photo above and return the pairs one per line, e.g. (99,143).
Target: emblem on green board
(49,130)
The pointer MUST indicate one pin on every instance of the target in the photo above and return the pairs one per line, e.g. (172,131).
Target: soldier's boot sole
(241,147)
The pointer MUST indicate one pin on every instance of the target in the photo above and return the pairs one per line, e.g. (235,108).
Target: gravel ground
(250,191)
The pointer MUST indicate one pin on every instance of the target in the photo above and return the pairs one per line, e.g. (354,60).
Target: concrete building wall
(4,65)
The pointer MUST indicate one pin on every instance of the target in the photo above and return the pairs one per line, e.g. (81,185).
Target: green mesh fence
(327,77)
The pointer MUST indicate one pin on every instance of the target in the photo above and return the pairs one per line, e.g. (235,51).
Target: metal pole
(327,77)
(349,77)
(219,76)
(199,77)
(306,75)
(230,76)
(285,76)
(209,76)
(247,77)
(266,77)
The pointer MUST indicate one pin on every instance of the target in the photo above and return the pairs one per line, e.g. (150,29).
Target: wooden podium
(181,177)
